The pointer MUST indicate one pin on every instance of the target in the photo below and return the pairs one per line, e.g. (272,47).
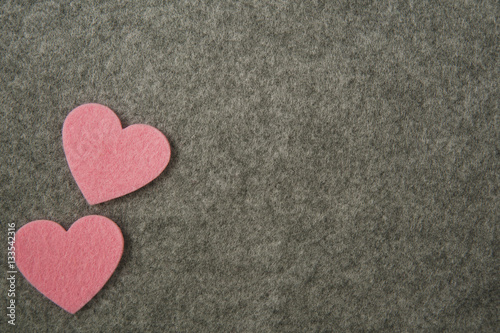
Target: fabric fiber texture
(334,164)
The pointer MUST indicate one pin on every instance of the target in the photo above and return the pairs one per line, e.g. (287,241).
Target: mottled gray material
(334,168)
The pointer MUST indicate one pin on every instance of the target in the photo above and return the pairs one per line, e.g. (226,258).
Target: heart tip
(92,202)
(72,310)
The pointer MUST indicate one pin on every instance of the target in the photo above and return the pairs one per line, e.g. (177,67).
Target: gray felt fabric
(334,163)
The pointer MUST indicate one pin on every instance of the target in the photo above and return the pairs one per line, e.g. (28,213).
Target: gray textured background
(334,167)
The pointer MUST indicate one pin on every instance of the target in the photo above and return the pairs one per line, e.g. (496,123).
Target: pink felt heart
(107,161)
(69,267)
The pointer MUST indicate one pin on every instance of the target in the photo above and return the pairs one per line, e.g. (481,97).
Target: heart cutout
(108,161)
(69,267)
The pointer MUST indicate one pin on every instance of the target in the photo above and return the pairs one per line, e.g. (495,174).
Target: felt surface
(106,161)
(69,267)
(334,164)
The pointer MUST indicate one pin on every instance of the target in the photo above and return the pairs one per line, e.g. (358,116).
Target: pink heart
(69,267)
(107,161)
